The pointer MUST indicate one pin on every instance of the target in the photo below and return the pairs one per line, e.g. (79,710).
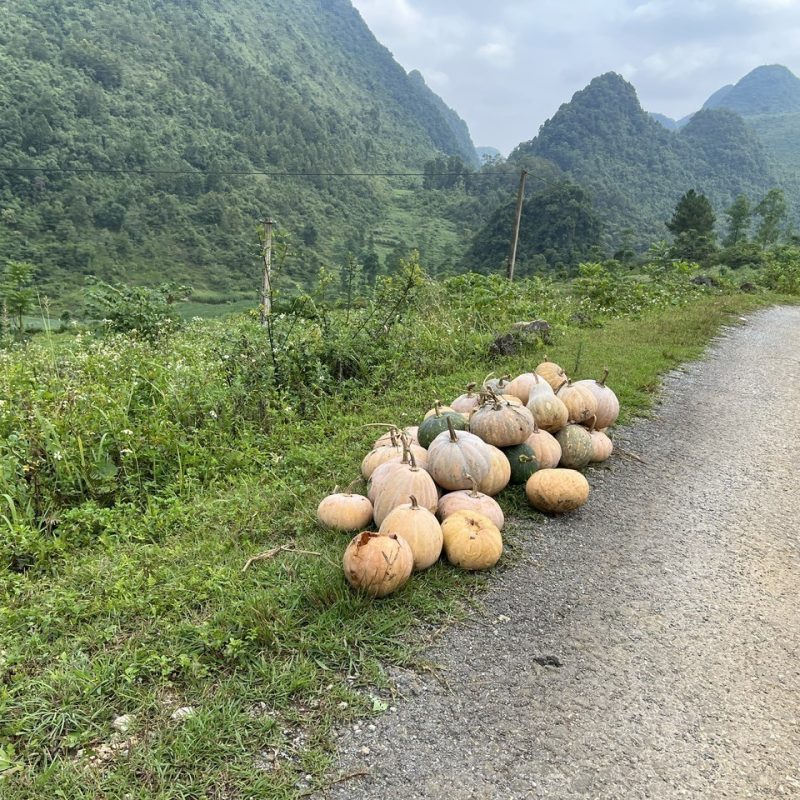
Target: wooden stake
(266,290)
(512,258)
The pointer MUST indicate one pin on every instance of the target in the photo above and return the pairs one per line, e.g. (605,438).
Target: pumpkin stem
(483,383)
(348,490)
(593,418)
(393,436)
(602,381)
(562,385)
(406,450)
(473,492)
(413,461)
(414,503)
(437,408)
(453,437)
(494,397)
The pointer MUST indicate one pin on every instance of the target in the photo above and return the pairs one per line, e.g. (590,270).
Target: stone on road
(647,646)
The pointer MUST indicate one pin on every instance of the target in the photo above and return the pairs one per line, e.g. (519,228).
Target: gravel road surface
(648,646)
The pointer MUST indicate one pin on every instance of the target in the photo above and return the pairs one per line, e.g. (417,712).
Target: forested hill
(635,169)
(772,89)
(210,86)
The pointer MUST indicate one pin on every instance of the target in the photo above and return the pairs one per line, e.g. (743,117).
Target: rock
(123,724)
(185,712)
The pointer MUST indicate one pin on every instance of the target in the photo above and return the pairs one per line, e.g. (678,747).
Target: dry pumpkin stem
(473,492)
(602,381)
(414,503)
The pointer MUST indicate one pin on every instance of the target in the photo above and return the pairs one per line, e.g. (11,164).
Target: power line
(245,173)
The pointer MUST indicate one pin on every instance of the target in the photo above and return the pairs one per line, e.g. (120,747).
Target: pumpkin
(602,447)
(432,426)
(522,460)
(528,382)
(580,403)
(471,500)
(546,448)
(552,373)
(549,412)
(419,528)
(607,402)
(511,399)
(465,404)
(499,473)
(471,540)
(454,456)
(438,409)
(385,455)
(502,424)
(576,446)
(392,437)
(397,485)
(345,511)
(377,563)
(557,490)
(496,385)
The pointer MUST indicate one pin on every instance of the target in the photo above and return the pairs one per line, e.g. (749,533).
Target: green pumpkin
(523,462)
(576,447)
(430,428)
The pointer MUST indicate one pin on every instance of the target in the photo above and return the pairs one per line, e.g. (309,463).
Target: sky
(506,66)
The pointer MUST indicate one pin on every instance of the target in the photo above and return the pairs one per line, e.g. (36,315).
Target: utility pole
(266,290)
(512,258)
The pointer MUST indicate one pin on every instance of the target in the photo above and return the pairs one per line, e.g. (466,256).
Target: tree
(692,225)
(16,291)
(772,210)
(740,217)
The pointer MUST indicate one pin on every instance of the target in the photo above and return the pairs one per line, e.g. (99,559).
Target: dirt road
(649,645)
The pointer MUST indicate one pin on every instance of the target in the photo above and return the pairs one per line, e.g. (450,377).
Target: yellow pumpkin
(499,473)
(345,511)
(377,563)
(419,528)
(552,373)
(471,540)
(550,413)
(471,500)
(557,490)
(545,447)
(580,403)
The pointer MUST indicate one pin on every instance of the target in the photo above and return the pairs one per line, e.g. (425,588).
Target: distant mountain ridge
(635,169)
(770,89)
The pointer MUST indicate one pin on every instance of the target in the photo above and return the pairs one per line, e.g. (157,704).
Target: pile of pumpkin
(432,487)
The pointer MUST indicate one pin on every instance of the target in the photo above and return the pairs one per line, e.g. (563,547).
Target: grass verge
(159,616)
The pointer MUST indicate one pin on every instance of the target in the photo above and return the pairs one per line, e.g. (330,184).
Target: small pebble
(185,712)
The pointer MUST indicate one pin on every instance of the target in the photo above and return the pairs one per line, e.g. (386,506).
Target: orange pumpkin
(471,500)
(552,373)
(471,540)
(377,563)
(345,511)
(419,528)
(557,490)
(501,423)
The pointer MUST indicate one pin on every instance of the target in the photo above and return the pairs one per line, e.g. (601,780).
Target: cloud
(677,52)
(398,15)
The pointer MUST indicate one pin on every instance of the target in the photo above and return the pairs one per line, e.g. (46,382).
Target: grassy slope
(162,616)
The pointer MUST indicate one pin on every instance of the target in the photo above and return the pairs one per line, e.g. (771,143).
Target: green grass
(155,612)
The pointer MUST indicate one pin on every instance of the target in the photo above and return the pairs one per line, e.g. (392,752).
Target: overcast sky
(507,65)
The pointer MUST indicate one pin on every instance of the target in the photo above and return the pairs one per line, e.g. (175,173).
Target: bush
(782,270)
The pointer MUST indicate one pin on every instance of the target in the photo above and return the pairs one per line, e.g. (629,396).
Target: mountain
(635,169)
(487,153)
(766,90)
(669,123)
(199,95)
